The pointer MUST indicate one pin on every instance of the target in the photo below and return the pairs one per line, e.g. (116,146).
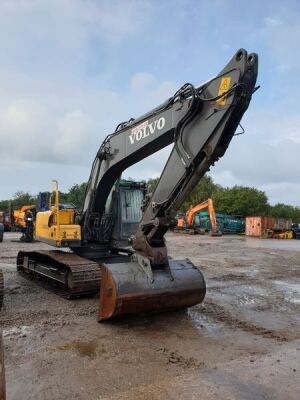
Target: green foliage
(22,198)
(4,205)
(151,184)
(236,200)
(241,200)
(75,195)
(19,199)
(281,210)
(204,189)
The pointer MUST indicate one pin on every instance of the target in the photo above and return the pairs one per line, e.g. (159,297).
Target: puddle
(245,300)
(295,287)
(292,291)
(245,291)
(202,322)
(252,272)
(20,331)
(85,349)
(292,300)
(236,299)
(273,244)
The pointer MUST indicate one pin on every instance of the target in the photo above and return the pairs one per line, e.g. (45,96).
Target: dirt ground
(243,342)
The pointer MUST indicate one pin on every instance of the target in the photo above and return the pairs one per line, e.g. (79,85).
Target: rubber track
(1,288)
(86,274)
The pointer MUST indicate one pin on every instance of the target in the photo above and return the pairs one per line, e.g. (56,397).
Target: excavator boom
(201,123)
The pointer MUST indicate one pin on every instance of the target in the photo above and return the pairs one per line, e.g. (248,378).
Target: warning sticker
(224,87)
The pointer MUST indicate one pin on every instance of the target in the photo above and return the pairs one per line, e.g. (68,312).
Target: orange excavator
(186,222)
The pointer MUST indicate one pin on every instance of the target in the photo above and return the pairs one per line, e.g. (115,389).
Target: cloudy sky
(71,70)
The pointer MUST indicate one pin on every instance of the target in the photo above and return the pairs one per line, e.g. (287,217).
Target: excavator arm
(201,122)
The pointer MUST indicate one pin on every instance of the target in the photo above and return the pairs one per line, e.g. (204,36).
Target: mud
(243,342)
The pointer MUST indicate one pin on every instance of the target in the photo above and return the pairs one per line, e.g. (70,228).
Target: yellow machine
(284,235)
(57,226)
(19,215)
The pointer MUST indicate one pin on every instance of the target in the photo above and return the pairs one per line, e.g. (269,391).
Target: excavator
(140,277)
(187,223)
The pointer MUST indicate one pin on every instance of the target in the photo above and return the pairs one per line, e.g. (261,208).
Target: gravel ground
(243,342)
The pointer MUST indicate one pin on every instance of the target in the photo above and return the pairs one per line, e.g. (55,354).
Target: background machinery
(187,223)
(295,228)
(19,214)
(227,224)
(5,220)
(200,122)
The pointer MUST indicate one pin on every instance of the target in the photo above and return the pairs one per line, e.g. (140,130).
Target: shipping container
(262,226)
(282,224)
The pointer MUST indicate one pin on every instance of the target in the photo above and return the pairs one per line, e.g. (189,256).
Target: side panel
(62,235)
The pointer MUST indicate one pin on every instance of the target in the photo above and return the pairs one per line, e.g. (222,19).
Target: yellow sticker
(224,87)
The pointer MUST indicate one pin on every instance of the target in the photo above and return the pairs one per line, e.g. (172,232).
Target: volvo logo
(145,129)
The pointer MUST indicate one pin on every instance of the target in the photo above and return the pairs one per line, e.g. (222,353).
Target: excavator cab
(128,197)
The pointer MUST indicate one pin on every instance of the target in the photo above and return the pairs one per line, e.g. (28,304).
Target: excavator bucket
(127,289)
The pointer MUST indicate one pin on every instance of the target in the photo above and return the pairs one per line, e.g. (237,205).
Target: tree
(281,210)
(4,205)
(75,195)
(151,184)
(21,198)
(204,189)
(241,200)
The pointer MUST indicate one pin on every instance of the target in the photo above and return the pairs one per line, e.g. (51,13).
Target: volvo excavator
(200,121)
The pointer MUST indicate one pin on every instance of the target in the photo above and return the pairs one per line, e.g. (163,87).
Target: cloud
(280,35)
(71,117)
(72,70)
(21,121)
(71,23)
(73,135)
(255,164)
(32,132)
(266,156)
(283,192)
(44,125)
(142,80)
(114,20)
(272,22)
